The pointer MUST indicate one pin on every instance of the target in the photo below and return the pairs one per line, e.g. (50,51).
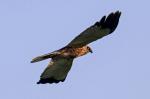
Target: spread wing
(100,29)
(56,70)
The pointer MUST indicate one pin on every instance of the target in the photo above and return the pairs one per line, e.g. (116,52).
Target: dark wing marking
(100,29)
(56,71)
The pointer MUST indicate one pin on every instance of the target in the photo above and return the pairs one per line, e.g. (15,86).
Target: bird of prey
(62,59)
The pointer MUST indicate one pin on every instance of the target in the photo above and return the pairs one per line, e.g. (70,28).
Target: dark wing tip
(49,80)
(111,21)
(101,22)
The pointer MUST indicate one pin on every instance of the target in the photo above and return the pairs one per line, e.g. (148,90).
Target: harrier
(62,59)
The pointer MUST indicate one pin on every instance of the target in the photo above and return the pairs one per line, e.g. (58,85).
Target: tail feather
(43,57)
(40,58)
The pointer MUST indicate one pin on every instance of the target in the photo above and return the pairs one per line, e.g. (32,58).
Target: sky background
(119,68)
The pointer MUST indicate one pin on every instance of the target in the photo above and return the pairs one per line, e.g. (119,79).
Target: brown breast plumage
(74,52)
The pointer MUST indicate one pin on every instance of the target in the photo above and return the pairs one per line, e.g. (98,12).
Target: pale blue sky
(119,68)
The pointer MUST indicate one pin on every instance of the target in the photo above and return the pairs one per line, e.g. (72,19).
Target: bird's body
(74,52)
(62,59)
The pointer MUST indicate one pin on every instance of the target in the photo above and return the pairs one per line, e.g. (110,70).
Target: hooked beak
(90,51)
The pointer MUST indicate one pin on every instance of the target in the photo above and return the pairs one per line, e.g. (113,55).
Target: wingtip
(32,61)
(101,22)
(111,21)
(49,80)
(118,13)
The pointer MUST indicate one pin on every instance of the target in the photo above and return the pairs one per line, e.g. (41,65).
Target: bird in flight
(62,59)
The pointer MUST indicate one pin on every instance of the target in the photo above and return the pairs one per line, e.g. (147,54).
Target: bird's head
(89,49)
